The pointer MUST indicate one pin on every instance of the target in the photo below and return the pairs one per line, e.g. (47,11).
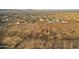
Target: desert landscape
(39,29)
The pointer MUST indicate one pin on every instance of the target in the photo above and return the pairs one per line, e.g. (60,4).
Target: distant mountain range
(35,10)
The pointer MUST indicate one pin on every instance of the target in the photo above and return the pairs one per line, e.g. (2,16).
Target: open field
(41,30)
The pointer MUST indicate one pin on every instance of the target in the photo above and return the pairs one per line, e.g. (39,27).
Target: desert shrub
(3,46)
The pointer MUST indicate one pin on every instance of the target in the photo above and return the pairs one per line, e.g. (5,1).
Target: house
(41,19)
(64,21)
(0,26)
(7,19)
(17,22)
(57,21)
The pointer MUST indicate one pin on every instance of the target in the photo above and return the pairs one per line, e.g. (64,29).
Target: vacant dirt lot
(41,35)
